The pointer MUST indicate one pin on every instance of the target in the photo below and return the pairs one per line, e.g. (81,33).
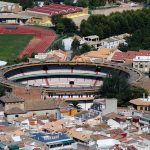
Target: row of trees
(116,86)
(92,4)
(139,40)
(116,23)
(63,25)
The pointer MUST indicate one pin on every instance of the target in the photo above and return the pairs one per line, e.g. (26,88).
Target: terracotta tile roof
(14,110)
(100,53)
(79,135)
(8,98)
(114,131)
(9,129)
(121,56)
(145,136)
(20,119)
(140,102)
(99,137)
(40,105)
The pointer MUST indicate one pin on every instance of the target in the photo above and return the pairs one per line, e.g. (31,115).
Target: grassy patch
(12,44)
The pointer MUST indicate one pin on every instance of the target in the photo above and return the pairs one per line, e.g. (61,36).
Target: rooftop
(121,56)
(50,137)
(40,105)
(140,102)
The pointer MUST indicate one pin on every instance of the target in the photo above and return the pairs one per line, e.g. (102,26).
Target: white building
(111,42)
(142,63)
(105,106)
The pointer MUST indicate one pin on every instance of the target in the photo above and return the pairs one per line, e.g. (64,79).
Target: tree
(96,3)
(68,2)
(26,3)
(33,54)
(75,44)
(123,47)
(46,2)
(24,58)
(85,48)
(116,86)
(82,3)
(75,104)
(63,25)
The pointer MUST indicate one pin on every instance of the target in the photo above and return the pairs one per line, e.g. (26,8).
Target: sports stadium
(68,80)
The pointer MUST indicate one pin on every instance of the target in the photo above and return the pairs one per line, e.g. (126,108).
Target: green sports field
(12,44)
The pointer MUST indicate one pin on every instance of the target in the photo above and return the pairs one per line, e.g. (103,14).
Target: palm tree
(75,104)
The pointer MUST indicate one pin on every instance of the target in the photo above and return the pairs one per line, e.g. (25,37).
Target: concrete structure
(14,107)
(68,80)
(104,106)
(93,41)
(10,7)
(111,42)
(12,18)
(142,63)
(145,120)
(55,141)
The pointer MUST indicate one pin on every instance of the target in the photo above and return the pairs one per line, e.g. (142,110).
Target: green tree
(68,2)
(82,3)
(75,104)
(26,3)
(33,54)
(75,44)
(116,86)
(85,48)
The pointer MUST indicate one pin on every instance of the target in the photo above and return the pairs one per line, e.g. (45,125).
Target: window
(141,66)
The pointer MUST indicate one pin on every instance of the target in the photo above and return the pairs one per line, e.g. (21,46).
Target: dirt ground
(122,8)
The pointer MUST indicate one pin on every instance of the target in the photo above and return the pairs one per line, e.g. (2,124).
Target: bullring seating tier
(62,82)
(40,42)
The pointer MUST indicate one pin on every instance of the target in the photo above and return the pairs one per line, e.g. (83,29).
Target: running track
(41,40)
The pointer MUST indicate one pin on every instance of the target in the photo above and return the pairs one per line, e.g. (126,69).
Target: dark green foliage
(64,25)
(139,40)
(76,105)
(96,3)
(33,54)
(75,44)
(68,2)
(82,3)
(84,48)
(116,23)
(116,86)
